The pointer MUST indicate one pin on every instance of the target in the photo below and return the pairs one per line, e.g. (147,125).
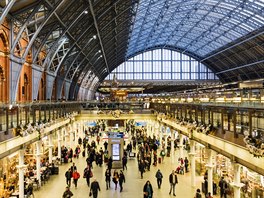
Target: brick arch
(3,40)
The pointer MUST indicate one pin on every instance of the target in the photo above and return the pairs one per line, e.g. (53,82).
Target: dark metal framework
(85,38)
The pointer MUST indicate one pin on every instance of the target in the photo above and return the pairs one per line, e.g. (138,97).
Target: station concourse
(181,81)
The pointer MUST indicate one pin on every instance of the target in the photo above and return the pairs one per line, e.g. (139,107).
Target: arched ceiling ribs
(72,70)
(19,27)
(4,11)
(53,52)
(70,49)
(39,27)
(98,34)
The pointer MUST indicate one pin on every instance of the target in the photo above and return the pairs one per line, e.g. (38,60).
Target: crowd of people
(147,156)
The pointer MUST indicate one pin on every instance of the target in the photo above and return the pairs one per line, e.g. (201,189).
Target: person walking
(67,193)
(173,181)
(110,163)
(121,180)
(68,176)
(107,178)
(148,190)
(115,178)
(159,177)
(88,174)
(198,193)
(124,162)
(75,176)
(186,164)
(95,187)
(73,167)
(141,168)
(209,195)
(223,187)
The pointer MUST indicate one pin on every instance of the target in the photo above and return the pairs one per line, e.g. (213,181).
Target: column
(222,121)
(172,144)
(75,131)
(59,133)
(148,129)
(209,167)
(236,184)
(160,134)
(71,134)
(21,166)
(234,123)
(249,122)
(38,155)
(181,146)
(192,162)
(66,137)
(50,148)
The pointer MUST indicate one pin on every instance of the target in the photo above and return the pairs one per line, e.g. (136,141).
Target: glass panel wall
(162,64)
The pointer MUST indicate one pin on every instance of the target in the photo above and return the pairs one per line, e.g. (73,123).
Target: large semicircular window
(162,64)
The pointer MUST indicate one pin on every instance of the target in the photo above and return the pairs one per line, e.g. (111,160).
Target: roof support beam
(6,10)
(236,44)
(98,34)
(240,67)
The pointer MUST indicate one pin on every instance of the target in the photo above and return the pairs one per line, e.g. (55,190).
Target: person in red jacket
(75,176)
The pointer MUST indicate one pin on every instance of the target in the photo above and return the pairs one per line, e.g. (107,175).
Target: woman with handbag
(148,190)
(115,178)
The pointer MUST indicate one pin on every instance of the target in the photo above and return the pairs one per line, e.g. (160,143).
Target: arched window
(162,64)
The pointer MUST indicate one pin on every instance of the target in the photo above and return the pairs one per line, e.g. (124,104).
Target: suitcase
(159,160)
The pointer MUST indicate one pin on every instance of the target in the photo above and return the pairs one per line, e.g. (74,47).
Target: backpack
(159,175)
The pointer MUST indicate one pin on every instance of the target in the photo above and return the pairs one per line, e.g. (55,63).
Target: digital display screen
(115,152)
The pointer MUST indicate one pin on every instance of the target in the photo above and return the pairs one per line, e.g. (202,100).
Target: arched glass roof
(198,27)
(162,64)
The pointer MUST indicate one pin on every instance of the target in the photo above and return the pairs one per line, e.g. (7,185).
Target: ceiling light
(94,36)
(99,51)
(85,12)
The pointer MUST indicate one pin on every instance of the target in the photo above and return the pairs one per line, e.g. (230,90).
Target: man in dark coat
(173,181)
(141,168)
(121,180)
(68,176)
(95,188)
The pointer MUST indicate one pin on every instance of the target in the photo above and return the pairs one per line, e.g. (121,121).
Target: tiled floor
(133,188)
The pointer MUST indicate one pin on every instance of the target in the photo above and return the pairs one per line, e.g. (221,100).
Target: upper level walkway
(233,151)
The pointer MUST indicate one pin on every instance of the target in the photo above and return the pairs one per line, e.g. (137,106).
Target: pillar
(222,121)
(66,137)
(209,167)
(234,123)
(250,122)
(192,162)
(71,134)
(236,183)
(181,146)
(148,129)
(172,144)
(59,133)
(50,148)
(21,166)
(38,155)
(160,134)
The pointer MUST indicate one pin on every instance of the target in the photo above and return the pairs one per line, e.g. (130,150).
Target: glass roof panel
(196,26)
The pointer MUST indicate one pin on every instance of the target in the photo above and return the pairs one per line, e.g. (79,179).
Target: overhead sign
(115,135)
